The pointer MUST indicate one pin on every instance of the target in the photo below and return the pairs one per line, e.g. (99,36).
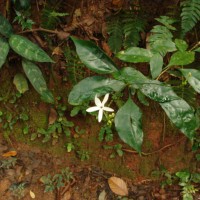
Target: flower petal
(105,99)
(108,109)
(100,115)
(92,109)
(97,101)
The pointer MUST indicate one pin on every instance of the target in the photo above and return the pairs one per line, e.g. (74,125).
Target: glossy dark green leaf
(135,55)
(158,91)
(37,80)
(142,98)
(93,57)
(156,64)
(4,49)
(128,125)
(28,49)
(21,83)
(131,76)
(182,115)
(167,22)
(163,46)
(193,78)
(182,58)
(89,87)
(181,45)
(5,27)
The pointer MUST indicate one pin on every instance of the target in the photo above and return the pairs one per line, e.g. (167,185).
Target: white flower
(100,106)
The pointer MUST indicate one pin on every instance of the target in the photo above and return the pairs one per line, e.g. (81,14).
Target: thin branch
(39,29)
(157,151)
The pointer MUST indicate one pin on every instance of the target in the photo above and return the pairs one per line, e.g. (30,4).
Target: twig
(39,29)
(195,46)
(157,151)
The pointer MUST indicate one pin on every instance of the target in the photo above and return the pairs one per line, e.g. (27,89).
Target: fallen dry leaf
(118,186)
(102,195)
(52,116)
(57,51)
(66,196)
(9,154)
(32,194)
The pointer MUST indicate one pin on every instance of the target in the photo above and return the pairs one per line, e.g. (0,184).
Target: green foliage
(51,18)
(190,14)
(75,68)
(83,155)
(88,87)
(23,19)
(124,30)
(128,124)
(21,83)
(117,150)
(37,80)
(4,49)
(57,181)
(161,37)
(18,190)
(128,118)
(93,57)
(186,181)
(21,4)
(54,130)
(5,27)
(28,49)
(8,163)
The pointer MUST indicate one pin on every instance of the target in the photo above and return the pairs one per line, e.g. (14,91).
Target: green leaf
(132,76)
(21,83)
(182,115)
(156,64)
(184,176)
(142,98)
(4,49)
(135,55)
(181,45)
(5,27)
(28,49)
(128,125)
(193,78)
(158,91)
(163,46)
(167,21)
(93,57)
(89,87)
(37,80)
(182,58)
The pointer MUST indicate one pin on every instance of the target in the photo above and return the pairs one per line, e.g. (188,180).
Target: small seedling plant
(131,82)
(57,181)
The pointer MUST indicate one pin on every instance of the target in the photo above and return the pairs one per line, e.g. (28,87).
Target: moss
(147,165)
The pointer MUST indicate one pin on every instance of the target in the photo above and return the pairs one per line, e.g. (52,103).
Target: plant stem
(39,29)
